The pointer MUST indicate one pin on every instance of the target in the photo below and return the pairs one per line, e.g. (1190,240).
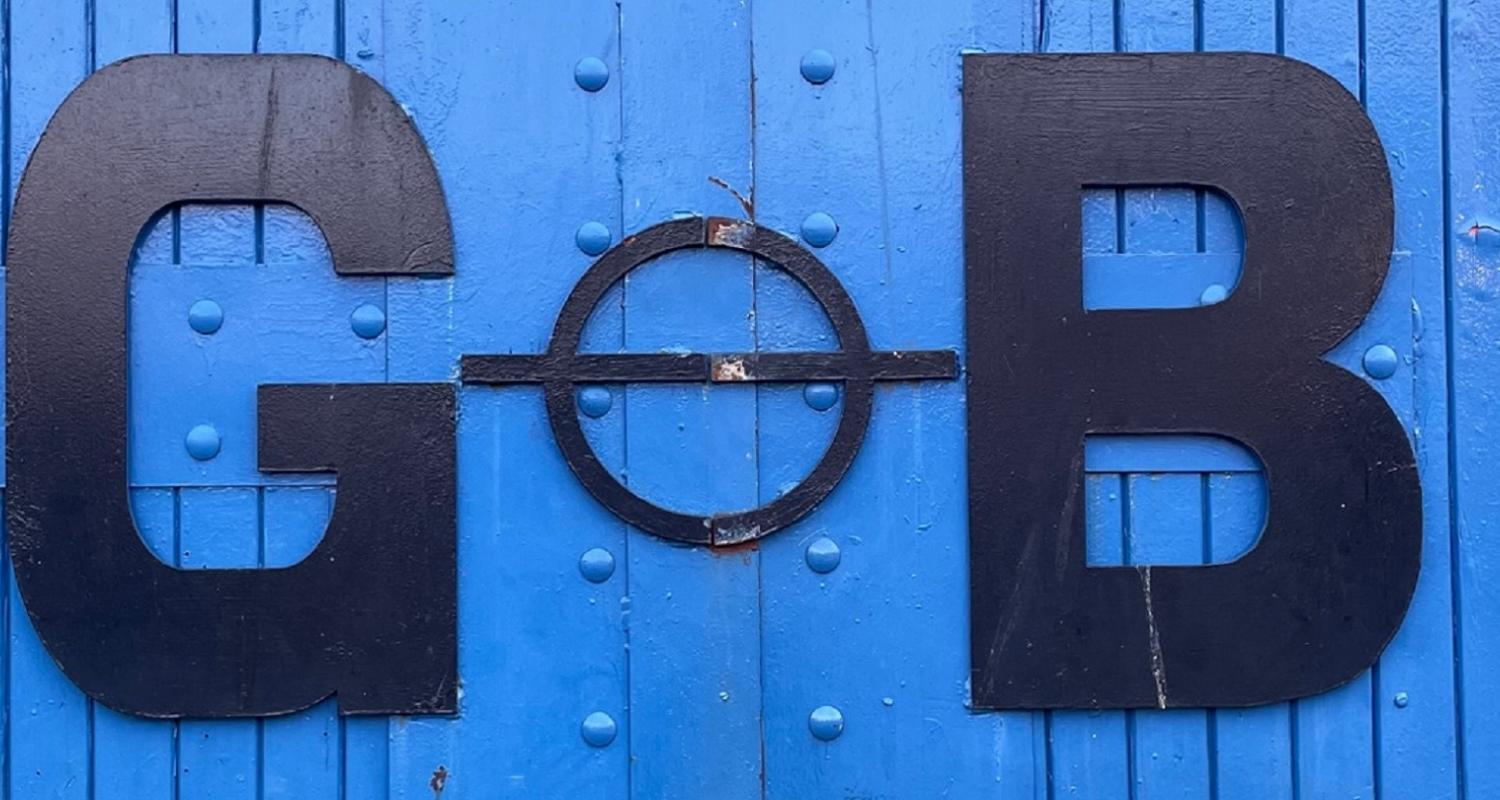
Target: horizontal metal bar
(499,370)
(586,367)
(798,367)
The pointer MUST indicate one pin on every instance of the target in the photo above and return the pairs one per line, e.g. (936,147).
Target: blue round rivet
(368,321)
(826,723)
(203,442)
(596,564)
(1401,699)
(598,729)
(1215,293)
(1380,361)
(591,74)
(821,396)
(819,229)
(205,316)
(594,401)
(823,555)
(817,66)
(592,238)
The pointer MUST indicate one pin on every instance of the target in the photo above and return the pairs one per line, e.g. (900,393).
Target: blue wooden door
(830,660)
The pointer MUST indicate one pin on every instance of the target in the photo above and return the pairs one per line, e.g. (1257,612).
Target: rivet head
(591,74)
(598,729)
(1215,293)
(596,564)
(592,238)
(1380,361)
(823,555)
(1401,699)
(817,66)
(820,396)
(826,723)
(205,317)
(368,321)
(819,229)
(594,401)
(202,442)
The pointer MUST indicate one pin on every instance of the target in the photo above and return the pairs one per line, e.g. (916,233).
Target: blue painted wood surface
(710,663)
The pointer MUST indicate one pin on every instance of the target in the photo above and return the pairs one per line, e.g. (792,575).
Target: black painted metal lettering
(370,614)
(1326,587)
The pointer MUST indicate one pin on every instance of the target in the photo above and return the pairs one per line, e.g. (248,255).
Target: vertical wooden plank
(1334,736)
(887,125)
(1415,694)
(218,759)
(364,771)
(218,527)
(1252,746)
(1091,749)
(1169,749)
(50,730)
(1471,224)
(135,757)
(804,132)
(301,753)
(526,157)
(695,656)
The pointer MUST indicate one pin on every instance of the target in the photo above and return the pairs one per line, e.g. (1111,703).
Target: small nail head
(1215,293)
(818,66)
(598,729)
(826,723)
(819,229)
(1380,361)
(205,317)
(202,442)
(823,555)
(596,565)
(1401,700)
(591,74)
(594,401)
(820,396)
(593,238)
(367,321)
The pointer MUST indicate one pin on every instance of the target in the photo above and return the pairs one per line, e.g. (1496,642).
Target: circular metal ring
(785,254)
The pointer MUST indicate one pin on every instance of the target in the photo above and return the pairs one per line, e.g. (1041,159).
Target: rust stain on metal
(744,550)
(439,780)
(730,370)
(723,232)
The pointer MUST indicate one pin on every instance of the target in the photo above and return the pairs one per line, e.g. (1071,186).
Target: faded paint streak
(1158,665)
